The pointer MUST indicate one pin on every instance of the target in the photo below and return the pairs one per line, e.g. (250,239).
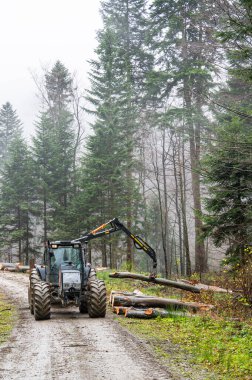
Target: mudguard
(41,272)
(87,270)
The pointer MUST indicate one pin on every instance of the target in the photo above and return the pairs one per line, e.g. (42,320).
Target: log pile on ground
(135,305)
(14,267)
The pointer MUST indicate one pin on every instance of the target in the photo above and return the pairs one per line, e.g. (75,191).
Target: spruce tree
(10,125)
(18,201)
(54,145)
(127,20)
(227,165)
(117,80)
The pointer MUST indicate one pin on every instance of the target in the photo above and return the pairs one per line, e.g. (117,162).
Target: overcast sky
(36,33)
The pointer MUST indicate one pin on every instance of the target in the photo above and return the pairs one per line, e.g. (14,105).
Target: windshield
(65,254)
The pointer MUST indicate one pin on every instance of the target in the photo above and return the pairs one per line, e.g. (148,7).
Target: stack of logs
(138,305)
(14,267)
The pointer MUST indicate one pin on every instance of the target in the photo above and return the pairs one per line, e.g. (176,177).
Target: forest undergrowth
(216,344)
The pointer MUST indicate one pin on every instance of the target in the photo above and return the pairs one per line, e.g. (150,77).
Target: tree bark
(149,313)
(158,302)
(160,281)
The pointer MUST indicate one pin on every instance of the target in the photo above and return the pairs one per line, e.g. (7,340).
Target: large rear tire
(34,278)
(92,275)
(42,301)
(96,299)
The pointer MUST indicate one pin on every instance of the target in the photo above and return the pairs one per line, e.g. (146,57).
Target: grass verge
(7,315)
(216,345)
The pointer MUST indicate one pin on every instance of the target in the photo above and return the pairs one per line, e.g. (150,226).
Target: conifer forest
(161,139)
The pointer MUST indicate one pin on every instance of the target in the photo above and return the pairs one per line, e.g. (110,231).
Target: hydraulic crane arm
(115,225)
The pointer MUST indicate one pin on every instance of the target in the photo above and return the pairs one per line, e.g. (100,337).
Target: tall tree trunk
(104,253)
(182,181)
(45,215)
(178,211)
(19,239)
(194,141)
(27,240)
(166,239)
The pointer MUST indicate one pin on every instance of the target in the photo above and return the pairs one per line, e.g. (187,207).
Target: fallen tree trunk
(159,281)
(211,288)
(132,312)
(157,302)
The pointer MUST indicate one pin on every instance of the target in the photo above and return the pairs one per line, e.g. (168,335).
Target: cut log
(10,269)
(127,295)
(118,292)
(119,310)
(7,265)
(132,312)
(159,281)
(158,302)
(22,268)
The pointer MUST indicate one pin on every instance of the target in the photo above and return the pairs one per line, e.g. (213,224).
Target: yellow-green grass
(221,346)
(7,317)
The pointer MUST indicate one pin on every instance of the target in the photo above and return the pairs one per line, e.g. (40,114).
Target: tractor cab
(63,256)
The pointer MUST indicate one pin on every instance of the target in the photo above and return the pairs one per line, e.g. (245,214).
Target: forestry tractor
(66,278)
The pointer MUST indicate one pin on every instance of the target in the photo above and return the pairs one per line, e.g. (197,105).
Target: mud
(70,345)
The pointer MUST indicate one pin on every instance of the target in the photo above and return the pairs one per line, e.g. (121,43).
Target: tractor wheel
(34,278)
(42,301)
(30,300)
(83,307)
(92,275)
(96,299)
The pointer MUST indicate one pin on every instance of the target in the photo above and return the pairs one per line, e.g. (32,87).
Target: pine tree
(229,180)
(10,125)
(227,165)
(128,20)
(117,79)
(54,146)
(18,202)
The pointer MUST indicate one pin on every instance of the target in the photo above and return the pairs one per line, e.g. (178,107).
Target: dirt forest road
(70,345)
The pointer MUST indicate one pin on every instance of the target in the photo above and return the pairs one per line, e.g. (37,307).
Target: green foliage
(229,178)
(236,33)
(18,201)
(107,179)
(53,148)
(227,164)
(10,126)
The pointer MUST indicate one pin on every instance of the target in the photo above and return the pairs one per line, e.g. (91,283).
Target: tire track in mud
(70,345)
